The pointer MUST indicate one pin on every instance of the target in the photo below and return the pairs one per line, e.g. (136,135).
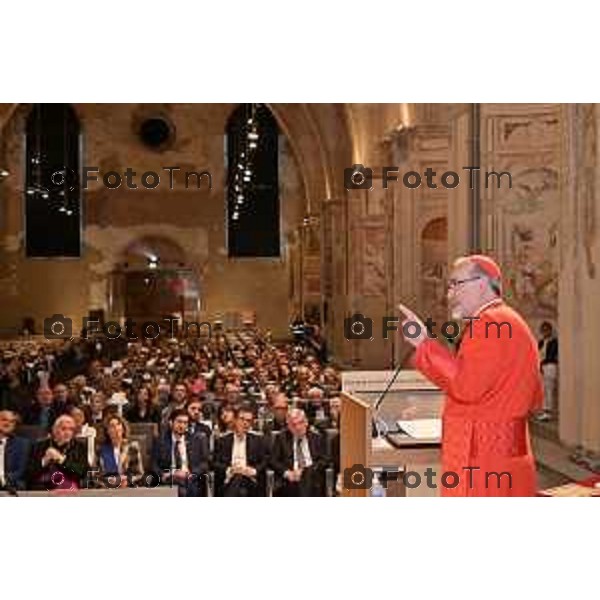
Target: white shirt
(88,434)
(304,449)
(3,442)
(238,452)
(117,453)
(238,455)
(182,452)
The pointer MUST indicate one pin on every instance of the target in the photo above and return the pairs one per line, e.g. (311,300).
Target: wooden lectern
(411,394)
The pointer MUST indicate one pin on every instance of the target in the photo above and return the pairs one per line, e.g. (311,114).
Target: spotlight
(152,262)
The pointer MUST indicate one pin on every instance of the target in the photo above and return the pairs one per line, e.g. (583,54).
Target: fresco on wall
(529,237)
(373,248)
(522,222)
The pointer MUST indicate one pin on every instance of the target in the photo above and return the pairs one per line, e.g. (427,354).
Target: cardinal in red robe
(492,384)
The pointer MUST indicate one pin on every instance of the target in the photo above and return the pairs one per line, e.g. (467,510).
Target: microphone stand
(380,427)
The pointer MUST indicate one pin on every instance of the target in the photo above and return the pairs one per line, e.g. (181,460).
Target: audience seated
(42,411)
(298,458)
(182,459)
(239,458)
(203,382)
(14,453)
(196,423)
(119,455)
(144,409)
(59,461)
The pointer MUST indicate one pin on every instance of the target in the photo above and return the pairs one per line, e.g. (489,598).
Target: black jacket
(282,460)
(551,352)
(256,457)
(54,475)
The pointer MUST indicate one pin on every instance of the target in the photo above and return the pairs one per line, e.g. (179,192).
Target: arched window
(253,228)
(52,191)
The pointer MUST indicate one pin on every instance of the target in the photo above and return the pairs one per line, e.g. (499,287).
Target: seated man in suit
(298,458)
(239,458)
(59,461)
(14,453)
(180,458)
(42,411)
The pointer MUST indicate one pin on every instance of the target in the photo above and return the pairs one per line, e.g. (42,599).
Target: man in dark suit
(298,458)
(59,461)
(180,458)
(42,411)
(239,458)
(548,348)
(14,453)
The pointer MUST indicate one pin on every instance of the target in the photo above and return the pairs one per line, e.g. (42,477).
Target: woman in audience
(225,419)
(145,408)
(118,455)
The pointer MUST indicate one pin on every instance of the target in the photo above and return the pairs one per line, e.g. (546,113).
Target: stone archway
(153,278)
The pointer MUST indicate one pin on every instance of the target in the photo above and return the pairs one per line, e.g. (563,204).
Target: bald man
(492,384)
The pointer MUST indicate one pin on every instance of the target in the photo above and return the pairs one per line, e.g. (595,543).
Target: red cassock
(492,384)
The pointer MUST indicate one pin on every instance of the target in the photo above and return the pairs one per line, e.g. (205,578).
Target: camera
(358,177)
(358,477)
(58,327)
(358,327)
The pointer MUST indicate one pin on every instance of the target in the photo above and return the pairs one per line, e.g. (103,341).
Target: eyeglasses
(454,283)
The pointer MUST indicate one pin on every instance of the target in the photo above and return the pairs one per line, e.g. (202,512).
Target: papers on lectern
(421,429)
